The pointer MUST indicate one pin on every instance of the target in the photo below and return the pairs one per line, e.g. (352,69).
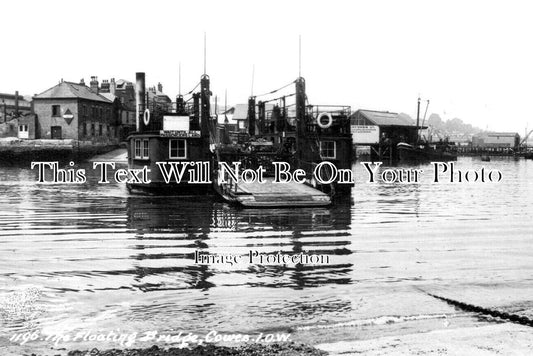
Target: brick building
(122,93)
(74,111)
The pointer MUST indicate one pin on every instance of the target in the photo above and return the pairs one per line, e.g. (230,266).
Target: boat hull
(408,153)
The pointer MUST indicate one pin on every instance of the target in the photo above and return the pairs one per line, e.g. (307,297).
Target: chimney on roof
(82,81)
(112,86)
(105,86)
(94,84)
(160,87)
(16,103)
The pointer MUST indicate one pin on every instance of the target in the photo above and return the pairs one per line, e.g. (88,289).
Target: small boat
(485,158)
(424,153)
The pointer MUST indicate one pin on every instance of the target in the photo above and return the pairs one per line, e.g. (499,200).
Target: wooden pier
(272,195)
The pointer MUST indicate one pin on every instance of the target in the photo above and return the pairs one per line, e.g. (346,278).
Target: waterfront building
(382,131)
(71,110)
(496,141)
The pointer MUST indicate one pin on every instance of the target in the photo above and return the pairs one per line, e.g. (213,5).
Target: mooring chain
(522,320)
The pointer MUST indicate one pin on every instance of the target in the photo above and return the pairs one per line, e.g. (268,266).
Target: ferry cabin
(167,137)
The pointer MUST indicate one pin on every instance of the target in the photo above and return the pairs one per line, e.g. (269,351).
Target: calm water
(95,257)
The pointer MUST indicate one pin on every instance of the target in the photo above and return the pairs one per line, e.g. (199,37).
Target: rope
(193,89)
(273,91)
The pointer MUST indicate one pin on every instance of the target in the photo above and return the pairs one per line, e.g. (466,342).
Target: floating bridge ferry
(185,133)
(172,134)
(300,134)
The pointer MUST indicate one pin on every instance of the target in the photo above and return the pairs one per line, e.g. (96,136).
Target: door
(23,131)
(56,132)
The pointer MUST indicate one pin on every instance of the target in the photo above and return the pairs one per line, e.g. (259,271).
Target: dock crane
(524,140)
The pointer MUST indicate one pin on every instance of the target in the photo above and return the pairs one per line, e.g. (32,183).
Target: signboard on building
(365,134)
(179,133)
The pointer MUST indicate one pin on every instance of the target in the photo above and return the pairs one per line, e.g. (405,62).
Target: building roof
(240,112)
(67,90)
(385,118)
(9,100)
(109,96)
(121,83)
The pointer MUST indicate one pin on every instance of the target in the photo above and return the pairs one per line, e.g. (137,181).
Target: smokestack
(140,93)
(16,103)
(160,87)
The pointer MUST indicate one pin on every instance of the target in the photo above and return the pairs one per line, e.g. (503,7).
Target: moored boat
(172,140)
(424,153)
(298,134)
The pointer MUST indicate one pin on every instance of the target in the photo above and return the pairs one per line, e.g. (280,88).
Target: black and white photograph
(266,178)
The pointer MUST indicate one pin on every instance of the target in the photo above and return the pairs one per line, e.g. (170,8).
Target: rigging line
(285,96)
(425,113)
(273,91)
(193,89)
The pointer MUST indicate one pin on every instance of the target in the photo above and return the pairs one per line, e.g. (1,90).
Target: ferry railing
(316,110)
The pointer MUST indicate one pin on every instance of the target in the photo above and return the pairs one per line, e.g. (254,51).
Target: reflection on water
(94,256)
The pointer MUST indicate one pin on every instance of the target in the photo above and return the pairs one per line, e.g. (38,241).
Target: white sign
(175,123)
(179,133)
(365,134)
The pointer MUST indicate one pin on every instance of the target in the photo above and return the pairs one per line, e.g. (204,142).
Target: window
(84,110)
(56,110)
(328,149)
(85,129)
(145,149)
(23,128)
(178,149)
(92,130)
(108,130)
(100,130)
(141,150)
(137,149)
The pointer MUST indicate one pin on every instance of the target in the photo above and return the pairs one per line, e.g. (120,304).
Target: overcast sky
(472,60)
